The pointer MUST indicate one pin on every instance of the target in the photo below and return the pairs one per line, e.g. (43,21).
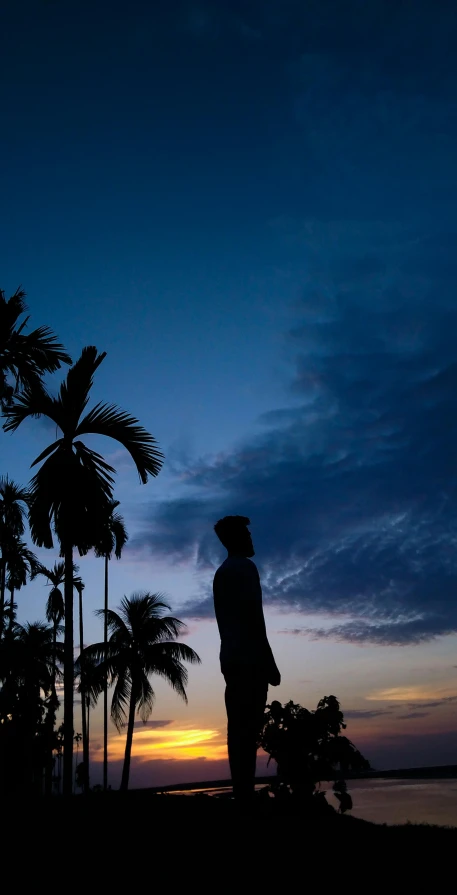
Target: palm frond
(56,575)
(109,420)
(113,536)
(91,678)
(175,650)
(173,672)
(34,401)
(47,451)
(95,465)
(21,562)
(108,660)
(116,625)
(38,352)
(142,607)
(145,697)
(13,501)
(55,606)
(120,699)
(10,311)
(74,390)
(71,491)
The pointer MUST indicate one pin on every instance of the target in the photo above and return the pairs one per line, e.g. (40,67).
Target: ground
(203,842)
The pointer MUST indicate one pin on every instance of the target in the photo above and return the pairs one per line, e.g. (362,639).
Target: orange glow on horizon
(172,743)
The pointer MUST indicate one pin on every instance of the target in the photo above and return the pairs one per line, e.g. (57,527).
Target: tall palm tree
(20,563)
(114,537)
(13,504)
(90,686)
(24,356)
(73,487)
(55,607)
(142,643)
(79,585)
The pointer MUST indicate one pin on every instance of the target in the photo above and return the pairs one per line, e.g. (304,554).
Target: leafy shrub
(308,748)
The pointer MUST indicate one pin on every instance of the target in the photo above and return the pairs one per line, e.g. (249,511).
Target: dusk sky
(250,206)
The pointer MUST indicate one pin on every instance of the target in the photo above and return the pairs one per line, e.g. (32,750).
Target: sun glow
(176,743)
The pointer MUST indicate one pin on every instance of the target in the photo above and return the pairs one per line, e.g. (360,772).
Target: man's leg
(245,698)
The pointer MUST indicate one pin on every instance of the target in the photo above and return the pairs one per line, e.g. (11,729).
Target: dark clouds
(358,714)
(412,715)
(433,704)
(152,725)
(351,486)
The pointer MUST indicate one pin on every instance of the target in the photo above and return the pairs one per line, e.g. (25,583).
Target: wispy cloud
(411,715)
(422,696)
(351,484)
(365,714)
(152,725)
(434,703)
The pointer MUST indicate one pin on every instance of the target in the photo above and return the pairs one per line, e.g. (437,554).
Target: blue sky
(250,207)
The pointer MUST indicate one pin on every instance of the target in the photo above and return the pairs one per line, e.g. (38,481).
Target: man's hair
(229,528)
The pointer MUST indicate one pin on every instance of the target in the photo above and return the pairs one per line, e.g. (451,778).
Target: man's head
(233,533)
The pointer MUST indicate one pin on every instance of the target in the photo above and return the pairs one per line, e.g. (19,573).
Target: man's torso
(239,614)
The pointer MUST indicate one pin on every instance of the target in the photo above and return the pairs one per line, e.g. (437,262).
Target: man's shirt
(239,614)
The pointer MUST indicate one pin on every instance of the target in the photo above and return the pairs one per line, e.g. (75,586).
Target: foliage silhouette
(21,564)
(142,642)
(25,357)
(55,611)
(13,507)
(90,684)
(113,539)
(72,490)
(308,748)
(27,709)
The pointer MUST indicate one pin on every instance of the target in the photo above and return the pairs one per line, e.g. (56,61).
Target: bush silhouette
(308,748)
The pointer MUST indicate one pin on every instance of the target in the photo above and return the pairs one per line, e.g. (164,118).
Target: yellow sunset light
(173,743)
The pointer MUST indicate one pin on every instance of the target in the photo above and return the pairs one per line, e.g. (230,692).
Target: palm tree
(142,643)
(20,563)
(77,738)
(89,687)
(55,611)
(55,607)
(79,585)
(74,486)
(13,503)
(25,357)
(114,538)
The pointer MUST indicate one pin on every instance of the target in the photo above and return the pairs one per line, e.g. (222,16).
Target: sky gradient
(250,206)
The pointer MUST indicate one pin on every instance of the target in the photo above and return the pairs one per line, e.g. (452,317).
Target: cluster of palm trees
(70,499)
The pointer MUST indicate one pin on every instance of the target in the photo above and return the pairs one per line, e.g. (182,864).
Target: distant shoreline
(440,772)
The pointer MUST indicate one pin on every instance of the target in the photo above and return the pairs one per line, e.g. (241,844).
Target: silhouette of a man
(247,661)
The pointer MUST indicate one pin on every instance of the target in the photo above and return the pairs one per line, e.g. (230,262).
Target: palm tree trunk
(83,692)
(54,664)
(105,686)
(128,743)
(68,671)
(11,607)
(88,744)
(2,588)
(50,726)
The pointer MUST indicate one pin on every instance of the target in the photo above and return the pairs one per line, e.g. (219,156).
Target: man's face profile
(246,545)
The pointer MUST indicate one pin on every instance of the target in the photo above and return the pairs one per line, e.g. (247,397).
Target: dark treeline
(69,505)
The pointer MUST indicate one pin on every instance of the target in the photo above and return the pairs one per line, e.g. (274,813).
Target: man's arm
(273,674)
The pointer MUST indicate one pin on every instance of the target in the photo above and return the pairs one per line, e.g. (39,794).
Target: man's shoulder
(235,565)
